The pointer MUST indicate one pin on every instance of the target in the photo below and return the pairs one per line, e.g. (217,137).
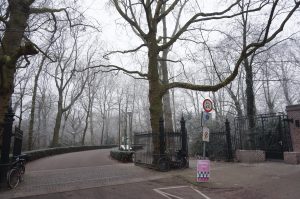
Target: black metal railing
(173,148)
(8,142)
(270,133)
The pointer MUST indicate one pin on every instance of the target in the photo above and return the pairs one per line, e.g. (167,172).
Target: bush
(124,156)
(41,153)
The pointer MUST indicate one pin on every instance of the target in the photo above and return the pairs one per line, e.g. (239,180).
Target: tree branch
(125,51)
(207,17)
(246,52)
(111,67)
(45,10)
(131,22)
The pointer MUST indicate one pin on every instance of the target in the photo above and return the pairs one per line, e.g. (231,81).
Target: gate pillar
(293,113)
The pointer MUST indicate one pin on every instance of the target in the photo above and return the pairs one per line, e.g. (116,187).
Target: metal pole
(201,120)
(203,150)
(228,139)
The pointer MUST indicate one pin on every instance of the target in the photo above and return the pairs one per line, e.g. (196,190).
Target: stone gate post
(293,113)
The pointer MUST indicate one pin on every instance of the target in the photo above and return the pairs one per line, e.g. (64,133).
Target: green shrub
(124,156)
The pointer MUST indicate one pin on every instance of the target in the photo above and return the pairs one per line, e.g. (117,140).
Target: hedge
(41,153)
(124,156)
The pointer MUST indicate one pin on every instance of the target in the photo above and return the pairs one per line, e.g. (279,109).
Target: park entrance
(270,133)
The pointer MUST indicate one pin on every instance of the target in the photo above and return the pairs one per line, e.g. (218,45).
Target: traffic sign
(207,105)
(205,134)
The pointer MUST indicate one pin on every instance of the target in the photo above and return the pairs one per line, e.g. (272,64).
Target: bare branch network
(125,9)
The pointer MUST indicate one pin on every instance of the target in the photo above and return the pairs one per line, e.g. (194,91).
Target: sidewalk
(270,180)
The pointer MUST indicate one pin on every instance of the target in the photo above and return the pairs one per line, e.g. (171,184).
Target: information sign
(203,170)
(205,134)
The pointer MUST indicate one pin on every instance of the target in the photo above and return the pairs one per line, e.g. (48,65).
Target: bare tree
(145,18)
(15,16)
(68,82)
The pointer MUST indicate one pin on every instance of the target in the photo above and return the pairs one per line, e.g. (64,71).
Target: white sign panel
(205,134)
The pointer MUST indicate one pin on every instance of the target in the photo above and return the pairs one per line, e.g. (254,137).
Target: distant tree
(69,83)
(19,21)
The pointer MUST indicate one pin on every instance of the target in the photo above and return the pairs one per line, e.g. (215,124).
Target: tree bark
(155,94)
(11,51)
(92,126)
(55,139)
(166,98)
(86,118)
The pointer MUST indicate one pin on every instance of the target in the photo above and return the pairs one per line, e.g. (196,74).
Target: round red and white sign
(207,105)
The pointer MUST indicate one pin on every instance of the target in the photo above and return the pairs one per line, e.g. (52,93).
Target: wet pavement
(92,174)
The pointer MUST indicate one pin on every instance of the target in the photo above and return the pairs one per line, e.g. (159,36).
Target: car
(125,148)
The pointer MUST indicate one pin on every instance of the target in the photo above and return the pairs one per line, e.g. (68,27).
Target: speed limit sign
(207,105)
(205,134)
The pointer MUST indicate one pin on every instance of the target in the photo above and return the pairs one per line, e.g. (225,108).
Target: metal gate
(270,133)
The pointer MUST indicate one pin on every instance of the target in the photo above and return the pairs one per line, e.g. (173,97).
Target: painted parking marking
(163,192)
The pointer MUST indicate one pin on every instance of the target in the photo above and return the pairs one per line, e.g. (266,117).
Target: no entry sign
(207,105)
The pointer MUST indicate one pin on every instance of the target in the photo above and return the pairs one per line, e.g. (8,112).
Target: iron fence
(173,150)
(270,133)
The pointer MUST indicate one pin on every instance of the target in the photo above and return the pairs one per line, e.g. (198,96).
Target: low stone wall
(250,156)
(292,157)
(37,154)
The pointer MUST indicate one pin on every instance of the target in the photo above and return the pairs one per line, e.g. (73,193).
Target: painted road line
(202,194)
(167,194)
(162,192)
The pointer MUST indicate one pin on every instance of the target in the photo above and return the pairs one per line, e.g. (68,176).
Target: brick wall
(293,112)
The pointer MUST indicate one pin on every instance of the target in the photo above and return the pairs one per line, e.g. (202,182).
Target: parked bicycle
(16,171)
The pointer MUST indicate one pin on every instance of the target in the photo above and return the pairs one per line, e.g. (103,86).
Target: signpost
(203,166)
(207,105)
(205,138)
(205,134)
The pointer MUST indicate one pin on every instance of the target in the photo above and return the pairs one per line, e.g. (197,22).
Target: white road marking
(202,194)
(171,196)
(167,194)
(175,187)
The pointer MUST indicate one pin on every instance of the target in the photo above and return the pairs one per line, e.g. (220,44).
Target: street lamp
(74,136)
(130,114)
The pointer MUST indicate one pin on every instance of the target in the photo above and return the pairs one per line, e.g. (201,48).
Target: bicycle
(16,172)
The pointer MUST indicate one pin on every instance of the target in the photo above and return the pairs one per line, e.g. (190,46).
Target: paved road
(92,174)
(75,171)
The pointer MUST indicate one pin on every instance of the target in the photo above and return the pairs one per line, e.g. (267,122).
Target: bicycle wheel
(164,164)
(22,169)
(13,178)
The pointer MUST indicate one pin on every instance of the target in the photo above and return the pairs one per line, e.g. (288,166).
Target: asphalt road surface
(94,175)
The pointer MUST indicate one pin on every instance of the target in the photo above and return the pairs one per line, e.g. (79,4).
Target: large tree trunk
(92,126)
(155,94)
(250,99)
(11,51)
(285,85)
(55,139)
(86,121)
(166,98)
(237,103)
